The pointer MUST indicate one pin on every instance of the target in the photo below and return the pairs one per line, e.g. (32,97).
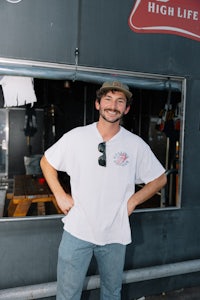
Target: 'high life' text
(173,11)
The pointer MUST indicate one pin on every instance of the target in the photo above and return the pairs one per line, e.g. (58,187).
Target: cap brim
(111,87)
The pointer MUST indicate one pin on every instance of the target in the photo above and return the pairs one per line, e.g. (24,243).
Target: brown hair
(101,93)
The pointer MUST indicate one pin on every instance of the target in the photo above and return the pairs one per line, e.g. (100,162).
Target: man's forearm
(64,200)
(51,176)
(146,192)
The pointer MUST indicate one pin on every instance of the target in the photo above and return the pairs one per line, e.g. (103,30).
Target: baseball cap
(116,85)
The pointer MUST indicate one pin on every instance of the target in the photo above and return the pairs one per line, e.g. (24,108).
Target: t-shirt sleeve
(148,166)
(59,155)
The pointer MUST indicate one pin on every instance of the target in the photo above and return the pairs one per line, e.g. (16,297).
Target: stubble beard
(111,121)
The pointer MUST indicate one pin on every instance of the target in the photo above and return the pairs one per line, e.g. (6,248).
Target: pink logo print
(121,158)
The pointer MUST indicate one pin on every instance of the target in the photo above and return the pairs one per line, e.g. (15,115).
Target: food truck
(54,55)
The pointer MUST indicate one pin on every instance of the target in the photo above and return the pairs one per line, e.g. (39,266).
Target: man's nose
(113,104)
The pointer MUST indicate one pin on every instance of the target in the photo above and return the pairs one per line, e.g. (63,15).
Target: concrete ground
(192,293)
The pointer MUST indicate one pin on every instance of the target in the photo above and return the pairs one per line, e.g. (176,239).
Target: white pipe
(93,282)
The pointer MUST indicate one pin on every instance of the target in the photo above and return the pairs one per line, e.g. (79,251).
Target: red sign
(179,17)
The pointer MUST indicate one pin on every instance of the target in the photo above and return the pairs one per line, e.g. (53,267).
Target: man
(104,161)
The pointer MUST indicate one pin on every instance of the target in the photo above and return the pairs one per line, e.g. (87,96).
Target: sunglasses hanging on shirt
(102,158)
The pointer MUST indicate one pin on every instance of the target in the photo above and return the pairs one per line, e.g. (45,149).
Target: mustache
(110,109)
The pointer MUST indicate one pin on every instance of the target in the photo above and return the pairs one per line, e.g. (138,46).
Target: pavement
(192,293)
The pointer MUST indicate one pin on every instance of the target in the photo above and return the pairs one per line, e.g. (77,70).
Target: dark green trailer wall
(50,31)
(39,30)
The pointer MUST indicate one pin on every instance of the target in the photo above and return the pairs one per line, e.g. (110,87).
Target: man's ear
(127,109)
(97,104)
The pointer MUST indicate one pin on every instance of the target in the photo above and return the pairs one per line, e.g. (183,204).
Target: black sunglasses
(102,158)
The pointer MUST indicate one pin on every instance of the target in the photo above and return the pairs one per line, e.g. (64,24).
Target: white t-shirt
(100,194)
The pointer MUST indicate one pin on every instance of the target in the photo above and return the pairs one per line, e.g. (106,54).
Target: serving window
(157,115)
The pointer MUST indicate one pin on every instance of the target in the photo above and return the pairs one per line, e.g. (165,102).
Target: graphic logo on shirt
(121,158)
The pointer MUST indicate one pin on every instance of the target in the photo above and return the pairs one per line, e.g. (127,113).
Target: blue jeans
(73,261)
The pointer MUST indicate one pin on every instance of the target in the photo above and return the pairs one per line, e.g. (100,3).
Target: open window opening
(156,115)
